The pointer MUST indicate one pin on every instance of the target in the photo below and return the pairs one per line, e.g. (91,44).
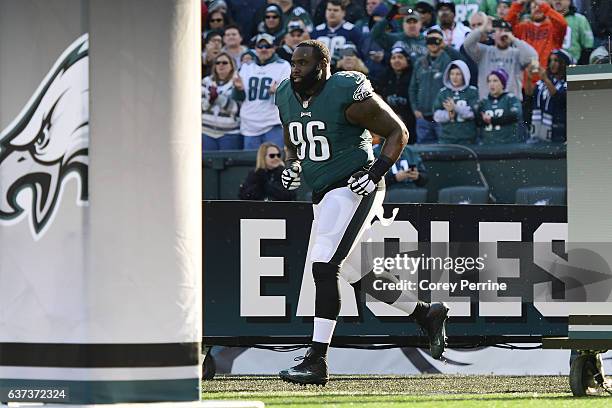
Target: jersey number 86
(317,145)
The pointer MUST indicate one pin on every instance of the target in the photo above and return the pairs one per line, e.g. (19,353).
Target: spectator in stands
(296,33)
(500,112)
(601,55)
(336,32)
(512,54)
(373,54)
(292,12)
(456,105)
(247,57)
(578,39)
(232,39)
(477,20)
(454,33)
(220,121)
(213,42)
(217,20)
(393,87)
(256,84)
(409,171)
(548,120)
(365,24)
(544,31)
(410,38)
(349,60)
(243,12)
(272,23)
(503,8)
(426,81)
(426,10)
(354,10)
(264,183)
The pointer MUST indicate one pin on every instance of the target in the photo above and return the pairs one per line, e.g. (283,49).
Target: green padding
(505,167)
(108,392)
(589,69)
(595,335)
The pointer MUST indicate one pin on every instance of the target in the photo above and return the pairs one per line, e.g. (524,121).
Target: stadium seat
(543,195)
(464,195)
(406,195)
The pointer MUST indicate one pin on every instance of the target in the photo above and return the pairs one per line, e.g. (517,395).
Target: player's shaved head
(321,51)
(309,67)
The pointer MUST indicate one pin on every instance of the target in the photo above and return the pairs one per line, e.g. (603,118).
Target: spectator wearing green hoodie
(578,36)
(499,112)
(409,38)
(456,105)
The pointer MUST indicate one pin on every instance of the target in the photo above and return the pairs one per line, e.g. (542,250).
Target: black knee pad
(366,284)
(327,294)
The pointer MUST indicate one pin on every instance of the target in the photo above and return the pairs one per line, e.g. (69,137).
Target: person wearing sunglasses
(264,182)
(272,23)
(216,21)
(220,120)
(255,86)
(427,80)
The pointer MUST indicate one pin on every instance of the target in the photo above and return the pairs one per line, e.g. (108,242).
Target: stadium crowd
(455,71)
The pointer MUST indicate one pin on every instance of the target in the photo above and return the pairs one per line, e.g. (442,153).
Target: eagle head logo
(47,144)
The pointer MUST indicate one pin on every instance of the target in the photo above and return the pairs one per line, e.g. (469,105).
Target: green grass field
(404,391)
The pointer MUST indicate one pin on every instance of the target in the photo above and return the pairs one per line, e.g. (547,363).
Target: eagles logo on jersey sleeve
(356,80)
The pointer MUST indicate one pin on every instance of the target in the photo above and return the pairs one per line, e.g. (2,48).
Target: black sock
(420,311)
(319,349)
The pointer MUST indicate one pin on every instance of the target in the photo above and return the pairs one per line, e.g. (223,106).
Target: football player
(326,121)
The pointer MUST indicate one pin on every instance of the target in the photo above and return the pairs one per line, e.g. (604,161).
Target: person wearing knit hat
(502,75)
(374,13)
(549,116)
(394,84)
(373,54)
(500,112)
(427,12)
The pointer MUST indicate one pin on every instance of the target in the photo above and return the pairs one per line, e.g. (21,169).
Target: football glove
(364,182)
(291,176)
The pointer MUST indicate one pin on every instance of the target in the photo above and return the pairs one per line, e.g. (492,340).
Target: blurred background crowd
(457,72)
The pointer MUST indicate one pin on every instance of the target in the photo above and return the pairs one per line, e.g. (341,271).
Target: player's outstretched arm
(375,115)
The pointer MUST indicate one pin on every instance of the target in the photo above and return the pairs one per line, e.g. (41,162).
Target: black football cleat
(312,370)
(435,328)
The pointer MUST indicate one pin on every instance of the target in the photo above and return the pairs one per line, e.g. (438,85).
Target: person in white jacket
(454,32)
(220,121)
(255,86)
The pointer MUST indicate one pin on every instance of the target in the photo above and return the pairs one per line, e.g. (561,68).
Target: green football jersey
(329,148)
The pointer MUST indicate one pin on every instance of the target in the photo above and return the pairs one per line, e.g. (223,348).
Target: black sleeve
(273,187)
(252,188)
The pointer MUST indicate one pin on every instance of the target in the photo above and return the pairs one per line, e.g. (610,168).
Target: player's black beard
(307,83)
